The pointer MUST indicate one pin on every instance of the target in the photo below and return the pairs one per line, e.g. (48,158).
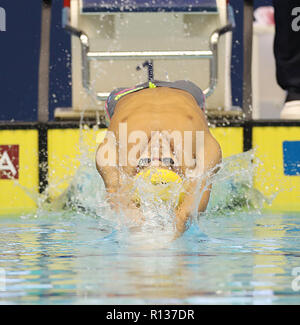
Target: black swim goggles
(145,162)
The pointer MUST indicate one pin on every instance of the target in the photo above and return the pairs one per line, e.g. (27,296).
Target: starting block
(121,43)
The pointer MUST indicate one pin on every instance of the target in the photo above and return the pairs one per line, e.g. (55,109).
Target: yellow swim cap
(158,184)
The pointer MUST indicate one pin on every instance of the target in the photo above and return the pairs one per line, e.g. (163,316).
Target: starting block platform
(114,41)
(91,6)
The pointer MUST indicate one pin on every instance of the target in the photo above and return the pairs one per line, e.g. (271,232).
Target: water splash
(232,192)
(233,195)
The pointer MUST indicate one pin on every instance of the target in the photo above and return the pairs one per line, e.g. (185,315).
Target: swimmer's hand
(119,202)
(181,220)
(117,193)
(184,210)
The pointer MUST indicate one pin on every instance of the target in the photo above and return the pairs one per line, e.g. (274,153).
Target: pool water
(76,252)
(72,259)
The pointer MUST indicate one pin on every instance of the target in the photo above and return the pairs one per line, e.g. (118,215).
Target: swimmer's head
(162,151)
(158,184)
(155,162)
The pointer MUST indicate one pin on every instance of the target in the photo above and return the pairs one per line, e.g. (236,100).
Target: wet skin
(160,109)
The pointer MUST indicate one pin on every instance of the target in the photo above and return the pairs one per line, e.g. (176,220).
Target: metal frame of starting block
(79,19)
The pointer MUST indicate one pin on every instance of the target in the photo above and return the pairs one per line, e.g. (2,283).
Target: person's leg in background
(287,54)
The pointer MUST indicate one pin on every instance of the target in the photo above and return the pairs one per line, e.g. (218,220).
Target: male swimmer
(149,115)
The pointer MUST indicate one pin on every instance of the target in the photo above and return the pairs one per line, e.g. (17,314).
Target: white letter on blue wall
(296,21)
(2,20)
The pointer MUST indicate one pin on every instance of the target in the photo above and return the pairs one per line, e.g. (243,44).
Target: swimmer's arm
(116,192)
(185,210)
(187,207)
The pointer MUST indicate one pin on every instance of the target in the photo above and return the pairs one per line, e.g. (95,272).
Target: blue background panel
(19,57)
(291,158)
(19,61)
(148,5)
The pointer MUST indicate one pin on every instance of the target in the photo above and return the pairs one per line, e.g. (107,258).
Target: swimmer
(157,109)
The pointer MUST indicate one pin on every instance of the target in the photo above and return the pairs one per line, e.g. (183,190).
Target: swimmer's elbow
(216,156)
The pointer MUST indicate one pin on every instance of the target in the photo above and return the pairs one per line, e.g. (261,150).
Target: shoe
(291,110)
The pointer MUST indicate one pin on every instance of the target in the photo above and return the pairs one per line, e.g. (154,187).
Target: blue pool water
(72,259)
(76,252)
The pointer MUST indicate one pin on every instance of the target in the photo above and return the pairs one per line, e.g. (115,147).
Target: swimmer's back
(158,109)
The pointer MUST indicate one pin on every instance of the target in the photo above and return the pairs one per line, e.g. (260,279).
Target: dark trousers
(287,47)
